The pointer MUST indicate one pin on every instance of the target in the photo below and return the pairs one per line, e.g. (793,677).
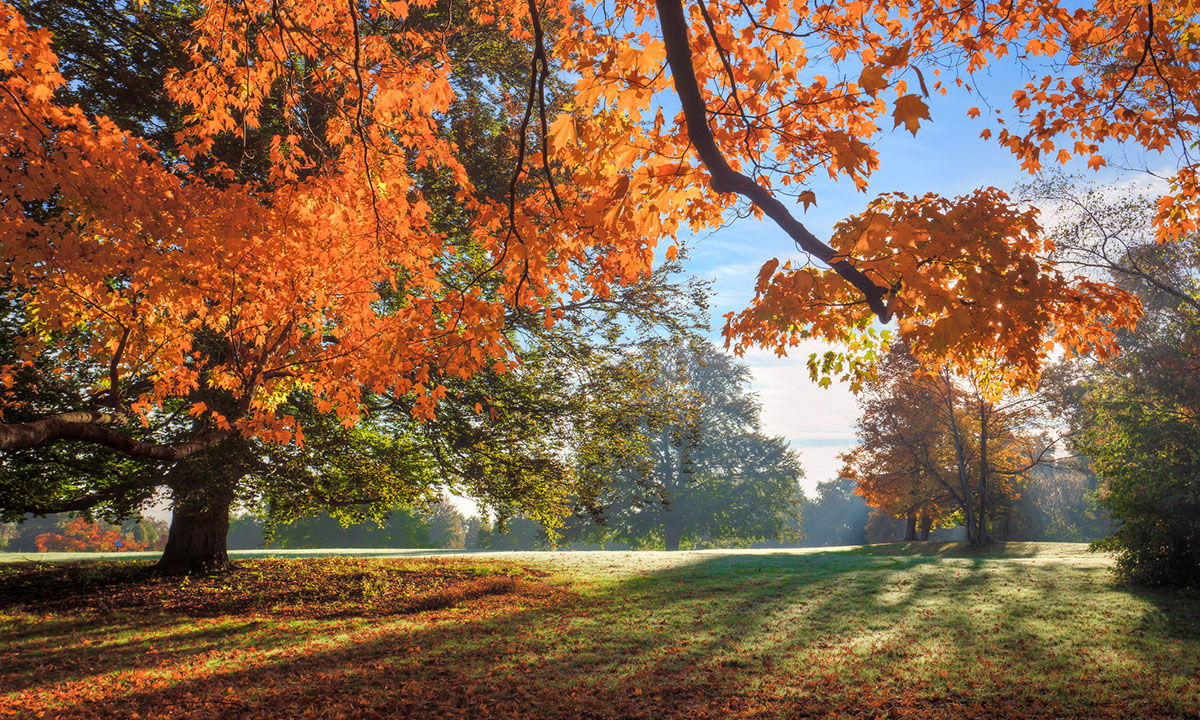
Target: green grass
(917,630)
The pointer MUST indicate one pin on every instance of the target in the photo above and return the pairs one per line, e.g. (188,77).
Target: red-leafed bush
(80,535)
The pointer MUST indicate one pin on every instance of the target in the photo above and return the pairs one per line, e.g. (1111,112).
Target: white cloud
(817,422)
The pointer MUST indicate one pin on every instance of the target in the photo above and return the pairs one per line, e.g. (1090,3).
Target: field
(896,631)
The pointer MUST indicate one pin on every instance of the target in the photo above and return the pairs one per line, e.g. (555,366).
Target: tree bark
(671,535)
(926,527)
(199,526)
(95,427)
(910,528)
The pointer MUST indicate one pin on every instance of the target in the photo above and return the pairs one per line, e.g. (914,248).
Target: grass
(918,630)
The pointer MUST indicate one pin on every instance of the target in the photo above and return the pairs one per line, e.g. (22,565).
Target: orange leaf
(910,110)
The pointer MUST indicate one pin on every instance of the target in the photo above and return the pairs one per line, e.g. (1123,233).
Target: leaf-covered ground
(901,631)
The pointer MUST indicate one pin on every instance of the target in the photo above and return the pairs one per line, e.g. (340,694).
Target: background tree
(64,533)
(1139,415)
(1058,503)
(447,526)
(836,515)
(712,477)
(931,443)
(517,533)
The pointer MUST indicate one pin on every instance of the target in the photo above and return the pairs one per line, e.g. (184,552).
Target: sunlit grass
(918,630)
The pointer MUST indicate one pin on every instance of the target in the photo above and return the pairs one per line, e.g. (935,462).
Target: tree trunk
(910,528)
(960,461)
(926,527)
(981,533)
(199,526)
(671,535)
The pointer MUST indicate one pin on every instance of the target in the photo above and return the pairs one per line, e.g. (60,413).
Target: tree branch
(727,180)
(94,427)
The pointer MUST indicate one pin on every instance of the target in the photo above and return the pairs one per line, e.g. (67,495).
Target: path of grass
(901,631)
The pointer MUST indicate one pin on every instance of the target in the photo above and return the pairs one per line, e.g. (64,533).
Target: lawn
(896,631)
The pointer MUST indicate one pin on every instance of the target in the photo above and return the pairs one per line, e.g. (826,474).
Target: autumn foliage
(82,535)
(348,201)
(796,92)
(940,447)
(331,273)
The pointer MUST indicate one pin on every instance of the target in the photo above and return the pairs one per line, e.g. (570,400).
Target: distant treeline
(69,533)
(1056,505)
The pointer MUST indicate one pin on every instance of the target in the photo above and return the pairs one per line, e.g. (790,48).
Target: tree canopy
(329,262)
(708,473)
(937,446)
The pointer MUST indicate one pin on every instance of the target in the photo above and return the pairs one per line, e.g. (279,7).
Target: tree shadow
(824,634)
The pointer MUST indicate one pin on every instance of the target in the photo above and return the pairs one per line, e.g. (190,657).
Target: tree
(836,515)
(305,213)
(932,444)
(493,437)
(517,533)
(712,476)
(1136,417)
(447,526)
(1140,415)
(1144,441)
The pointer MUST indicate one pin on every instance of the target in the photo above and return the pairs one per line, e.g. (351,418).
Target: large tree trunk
(671,534)
(199,526)
(910,528)
(926,527)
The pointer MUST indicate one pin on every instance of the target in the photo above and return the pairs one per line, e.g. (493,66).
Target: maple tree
(774,94)
(227,391)
(82,535)
(941,447)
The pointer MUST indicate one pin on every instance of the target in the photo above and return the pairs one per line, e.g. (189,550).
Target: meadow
(922,630)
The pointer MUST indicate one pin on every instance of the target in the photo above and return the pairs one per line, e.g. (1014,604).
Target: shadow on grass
(837,634)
